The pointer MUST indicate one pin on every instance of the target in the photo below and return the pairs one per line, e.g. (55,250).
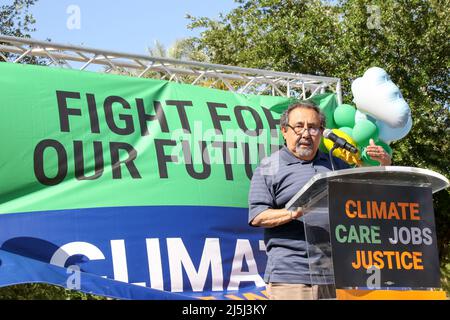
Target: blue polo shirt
(275,181)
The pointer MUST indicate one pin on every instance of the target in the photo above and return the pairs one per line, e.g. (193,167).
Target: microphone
(339,142)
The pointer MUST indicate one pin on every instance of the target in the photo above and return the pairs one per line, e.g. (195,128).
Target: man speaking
(277,179)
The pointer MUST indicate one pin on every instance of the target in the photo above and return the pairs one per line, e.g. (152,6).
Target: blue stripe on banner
(16,269)
(192,250)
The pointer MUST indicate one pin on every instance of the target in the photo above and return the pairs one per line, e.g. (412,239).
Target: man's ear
(284,132)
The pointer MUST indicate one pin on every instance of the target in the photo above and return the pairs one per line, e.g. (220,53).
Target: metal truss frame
(232,78)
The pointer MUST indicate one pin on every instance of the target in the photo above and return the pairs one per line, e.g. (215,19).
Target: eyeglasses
(300,129)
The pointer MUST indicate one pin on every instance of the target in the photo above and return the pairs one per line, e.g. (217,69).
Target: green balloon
(347,130)
(344,116)
(363,131)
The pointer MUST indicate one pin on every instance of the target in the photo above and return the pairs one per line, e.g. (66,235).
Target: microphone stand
(331,155)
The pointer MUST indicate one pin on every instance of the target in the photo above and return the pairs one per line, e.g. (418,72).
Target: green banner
(74,139)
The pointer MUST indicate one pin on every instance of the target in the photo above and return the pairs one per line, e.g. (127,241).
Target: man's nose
(305,132)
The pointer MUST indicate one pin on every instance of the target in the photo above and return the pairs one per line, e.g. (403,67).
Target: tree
(407,38)
(42,291)
(17,21)
(181,49)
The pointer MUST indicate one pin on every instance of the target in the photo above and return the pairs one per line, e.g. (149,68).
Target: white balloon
(376,95)
(388,91)
(389,134)
(359,116)
(376,75)
(357,87)
(400,113)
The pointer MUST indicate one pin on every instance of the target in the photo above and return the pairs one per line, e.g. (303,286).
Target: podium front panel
(317,235)
(314,198)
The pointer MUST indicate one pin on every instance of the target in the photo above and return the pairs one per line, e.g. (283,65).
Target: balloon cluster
(381,114)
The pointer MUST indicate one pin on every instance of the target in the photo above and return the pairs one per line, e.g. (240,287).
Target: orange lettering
(389,255)
(404,264)
(377,256)
(397,261)
(357,263)
(417,260)
(369,210)
(414,208)
(347,209)
(360,213)
(393,211)
(379,212)
(403,205)
(366,259)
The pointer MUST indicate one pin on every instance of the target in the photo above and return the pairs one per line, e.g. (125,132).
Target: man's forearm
(275,217)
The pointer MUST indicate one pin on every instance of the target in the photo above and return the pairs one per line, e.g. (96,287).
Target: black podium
(370,232)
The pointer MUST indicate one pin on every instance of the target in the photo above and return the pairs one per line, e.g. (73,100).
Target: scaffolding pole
(232,78)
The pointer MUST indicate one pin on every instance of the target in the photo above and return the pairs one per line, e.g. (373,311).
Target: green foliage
(446,278)
(17,21)
(41,291)
(407,38)
(181,49)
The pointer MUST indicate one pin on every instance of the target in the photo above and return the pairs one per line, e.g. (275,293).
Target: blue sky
(126,26)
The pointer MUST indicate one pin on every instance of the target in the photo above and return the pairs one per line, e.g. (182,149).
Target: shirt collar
(289,158)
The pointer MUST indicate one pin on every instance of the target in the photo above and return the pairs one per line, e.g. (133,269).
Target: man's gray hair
(284,120)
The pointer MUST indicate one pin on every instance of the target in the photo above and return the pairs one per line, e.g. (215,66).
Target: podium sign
(382,236)
(370,232)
